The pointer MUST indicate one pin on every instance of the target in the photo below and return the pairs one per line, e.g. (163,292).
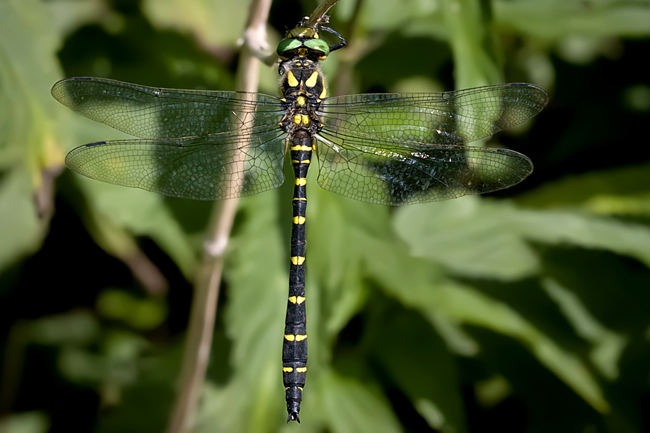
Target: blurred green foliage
(523,311)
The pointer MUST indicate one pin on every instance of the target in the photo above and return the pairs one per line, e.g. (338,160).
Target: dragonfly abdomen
(294,348)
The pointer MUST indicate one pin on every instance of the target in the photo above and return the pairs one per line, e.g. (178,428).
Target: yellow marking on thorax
(301,147)
(299,220)
(312,80)
(301,181)
(323,94)
(297,119)
(294,299)
(305,119)
(297,260)
(301,100)
(291,79)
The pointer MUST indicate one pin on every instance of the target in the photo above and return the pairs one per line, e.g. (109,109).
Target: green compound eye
(318,45)
(288,45)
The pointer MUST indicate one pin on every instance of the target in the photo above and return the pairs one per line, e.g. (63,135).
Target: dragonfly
(382,148)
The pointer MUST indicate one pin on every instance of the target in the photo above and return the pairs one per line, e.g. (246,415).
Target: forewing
(456,117)
(218,166)
(391,172)
(150,112)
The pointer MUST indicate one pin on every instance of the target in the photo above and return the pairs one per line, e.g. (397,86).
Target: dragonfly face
(303,42)
(392,149)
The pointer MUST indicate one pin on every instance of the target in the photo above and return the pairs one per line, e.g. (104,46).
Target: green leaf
(336,253)
(420,364)
(133,212)
(471,307)
(351,406)
(470,237)
(115,215)
(22,231)
(213,23)
(29,143)
(28,67)
(482,238)
(71,328)
(144,314)
(257,290)
(25,422)
(553,19)
(620,190)
(471,43)
(391,16)
(447,304)
(608,345)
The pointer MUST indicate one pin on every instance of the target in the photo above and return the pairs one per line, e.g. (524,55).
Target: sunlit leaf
(139,313)
(470,237)
(213,23)
(336,254)
(30,151)
(25,422)
(394,15)
(492,240)
(75,327)
(257,290)
(471,44)
(620,191)
(22,231)
(442,298)
(557,18)
(144,214)
(608,345)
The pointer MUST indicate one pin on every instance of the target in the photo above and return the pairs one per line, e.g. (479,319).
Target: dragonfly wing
(151,112)
(219,166)
(456,117)
(391,172)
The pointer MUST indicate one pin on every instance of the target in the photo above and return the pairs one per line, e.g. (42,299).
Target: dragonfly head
(303,42)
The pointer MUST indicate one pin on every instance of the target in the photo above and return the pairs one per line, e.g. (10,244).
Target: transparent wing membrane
(219,166)
(394,149)
(405,148)
(397,173)
(151,112)
(456,117)
(202,145)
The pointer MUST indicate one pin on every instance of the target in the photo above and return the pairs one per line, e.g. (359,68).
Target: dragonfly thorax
(302,76)
(303,86)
